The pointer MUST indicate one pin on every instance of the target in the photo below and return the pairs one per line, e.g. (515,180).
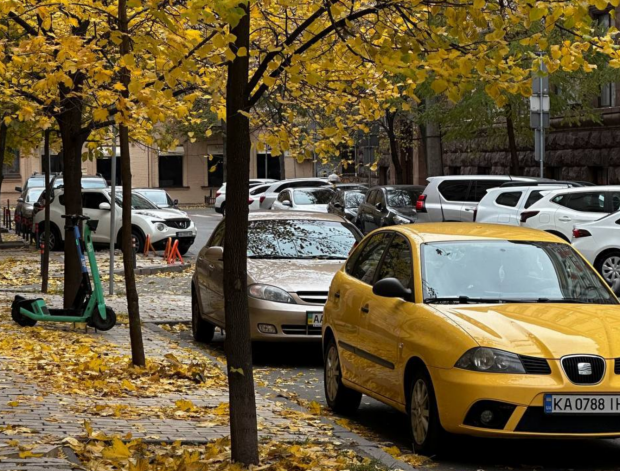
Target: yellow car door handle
(365,309)
(337,295)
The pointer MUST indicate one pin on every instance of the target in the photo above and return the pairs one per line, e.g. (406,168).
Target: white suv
(559,210)
(503,205)
(455,197)
(220,196)
(146,220)
(270,196)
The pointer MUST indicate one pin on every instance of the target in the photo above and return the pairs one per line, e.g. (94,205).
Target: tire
(55,242)
(20,319)
(340,398)
(138,240)
(426,430)
(223,209)
(202,330)
(103,325)
(609,268)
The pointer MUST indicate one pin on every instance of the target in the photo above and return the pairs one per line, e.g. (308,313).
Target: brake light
(262,198)
(420,205)
(525,215)
(250,201)
(577,233)
(218,194)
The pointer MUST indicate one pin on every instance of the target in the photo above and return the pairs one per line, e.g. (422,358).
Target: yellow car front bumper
(520,397)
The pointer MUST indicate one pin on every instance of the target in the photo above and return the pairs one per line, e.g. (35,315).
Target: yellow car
(475,329)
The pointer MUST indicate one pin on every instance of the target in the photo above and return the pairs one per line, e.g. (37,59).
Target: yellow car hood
(542,330)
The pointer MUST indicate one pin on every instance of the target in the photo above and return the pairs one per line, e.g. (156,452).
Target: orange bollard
(174,253)
(148,246)
(168,248)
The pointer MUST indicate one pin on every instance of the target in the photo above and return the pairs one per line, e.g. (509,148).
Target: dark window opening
(11,166)
(268,166)
(104,168)
(215,171)
(170,171)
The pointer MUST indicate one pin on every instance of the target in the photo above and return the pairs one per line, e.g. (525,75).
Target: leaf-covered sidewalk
(69,392)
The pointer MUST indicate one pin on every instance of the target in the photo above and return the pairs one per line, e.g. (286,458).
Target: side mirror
(390,288)
(338,205)
(20,200)
(215,254)
(379,206)
(18,189)
(38,205)
(105,206)
(286,203)
(175,202)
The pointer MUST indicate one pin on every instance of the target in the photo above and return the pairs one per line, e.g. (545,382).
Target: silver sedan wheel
(332,372)
(611,272)
(420,411)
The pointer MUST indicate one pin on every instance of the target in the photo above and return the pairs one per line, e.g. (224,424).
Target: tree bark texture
(72,139)
(390,121)
(135,328)
(515,168)
(243,427)
(4,129)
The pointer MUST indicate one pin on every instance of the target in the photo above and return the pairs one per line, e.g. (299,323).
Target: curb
(12,245)
(155,270)
(357,442)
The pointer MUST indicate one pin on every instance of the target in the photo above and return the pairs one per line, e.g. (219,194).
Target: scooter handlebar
(75,217)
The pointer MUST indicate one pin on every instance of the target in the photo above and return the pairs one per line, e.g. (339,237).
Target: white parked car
(255,194)
(267,200)
(146,220)
(503,205)
(455,197)
(558,211)
(220,195)
(314,200)
(599,243)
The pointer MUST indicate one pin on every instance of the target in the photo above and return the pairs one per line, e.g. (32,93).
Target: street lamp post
(539,113)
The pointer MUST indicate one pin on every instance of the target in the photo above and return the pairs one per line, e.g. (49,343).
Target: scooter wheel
(22,320)
(98,323)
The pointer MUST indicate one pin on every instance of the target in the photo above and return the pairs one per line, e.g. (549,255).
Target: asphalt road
(297,369)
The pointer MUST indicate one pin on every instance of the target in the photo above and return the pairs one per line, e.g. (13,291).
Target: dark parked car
(346,202)
(388,206)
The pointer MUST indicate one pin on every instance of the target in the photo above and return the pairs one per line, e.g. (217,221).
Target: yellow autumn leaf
(242,52)
(118,450)
(439,86)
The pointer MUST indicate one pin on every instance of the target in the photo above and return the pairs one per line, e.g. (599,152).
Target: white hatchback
(559,210)
(314,200)
(220,195)
(504,204)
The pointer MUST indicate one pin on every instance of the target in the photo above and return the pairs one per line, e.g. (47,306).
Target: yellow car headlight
(490,360)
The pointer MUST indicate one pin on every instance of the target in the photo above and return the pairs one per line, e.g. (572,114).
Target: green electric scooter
(88,306)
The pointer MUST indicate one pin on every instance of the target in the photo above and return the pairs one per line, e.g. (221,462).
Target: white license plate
(315,319)
(185,234)
(582,404)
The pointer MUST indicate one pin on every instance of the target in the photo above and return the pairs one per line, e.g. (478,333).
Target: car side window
(587,202)
(615,201)
(510,199)
(371,197)
(366,264)
(93,200)
(454,190)
(479,188)
(380,198)
(398,262)
(533,197)
(217,239)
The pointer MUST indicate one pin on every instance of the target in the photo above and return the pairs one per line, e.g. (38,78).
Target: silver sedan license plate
(185,234)
(315,319)
(582,404)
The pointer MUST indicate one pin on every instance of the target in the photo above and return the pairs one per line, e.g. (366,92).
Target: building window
(215,171)
(11,167)
(268,166)
(347,159)
(608,95)
(104,168)
(553,172)
(170,171)
(598,175)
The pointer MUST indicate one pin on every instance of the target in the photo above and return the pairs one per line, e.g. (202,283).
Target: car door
(379,210)
(579,207)
(365,212)
(477,191)
(90,208)
(353,296)
(211,280)
(453,195)
(382,327)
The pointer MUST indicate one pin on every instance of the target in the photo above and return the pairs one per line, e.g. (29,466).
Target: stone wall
(588,152)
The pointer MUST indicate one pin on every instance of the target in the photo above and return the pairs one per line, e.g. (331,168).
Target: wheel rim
(52,240)
(332,373)
(420,411)
(611,271)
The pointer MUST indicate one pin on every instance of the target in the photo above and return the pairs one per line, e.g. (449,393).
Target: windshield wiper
(571,301)
(322,257)
(463,300)
(269,257)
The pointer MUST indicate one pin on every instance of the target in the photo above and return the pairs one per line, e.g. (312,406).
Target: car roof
(586,189)
(311,188)
(544,188)
(460,231)
(295,215)
(149,189)
(398,187)
(486,177)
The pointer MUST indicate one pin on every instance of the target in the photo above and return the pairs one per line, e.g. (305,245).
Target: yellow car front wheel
(339,398)
(426,430)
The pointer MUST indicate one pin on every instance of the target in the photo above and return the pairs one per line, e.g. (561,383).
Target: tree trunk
(46,234)
(69,123)
(283,167)
(243,428)
(4,129)
(390,123)
(515,168)
(133,307)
